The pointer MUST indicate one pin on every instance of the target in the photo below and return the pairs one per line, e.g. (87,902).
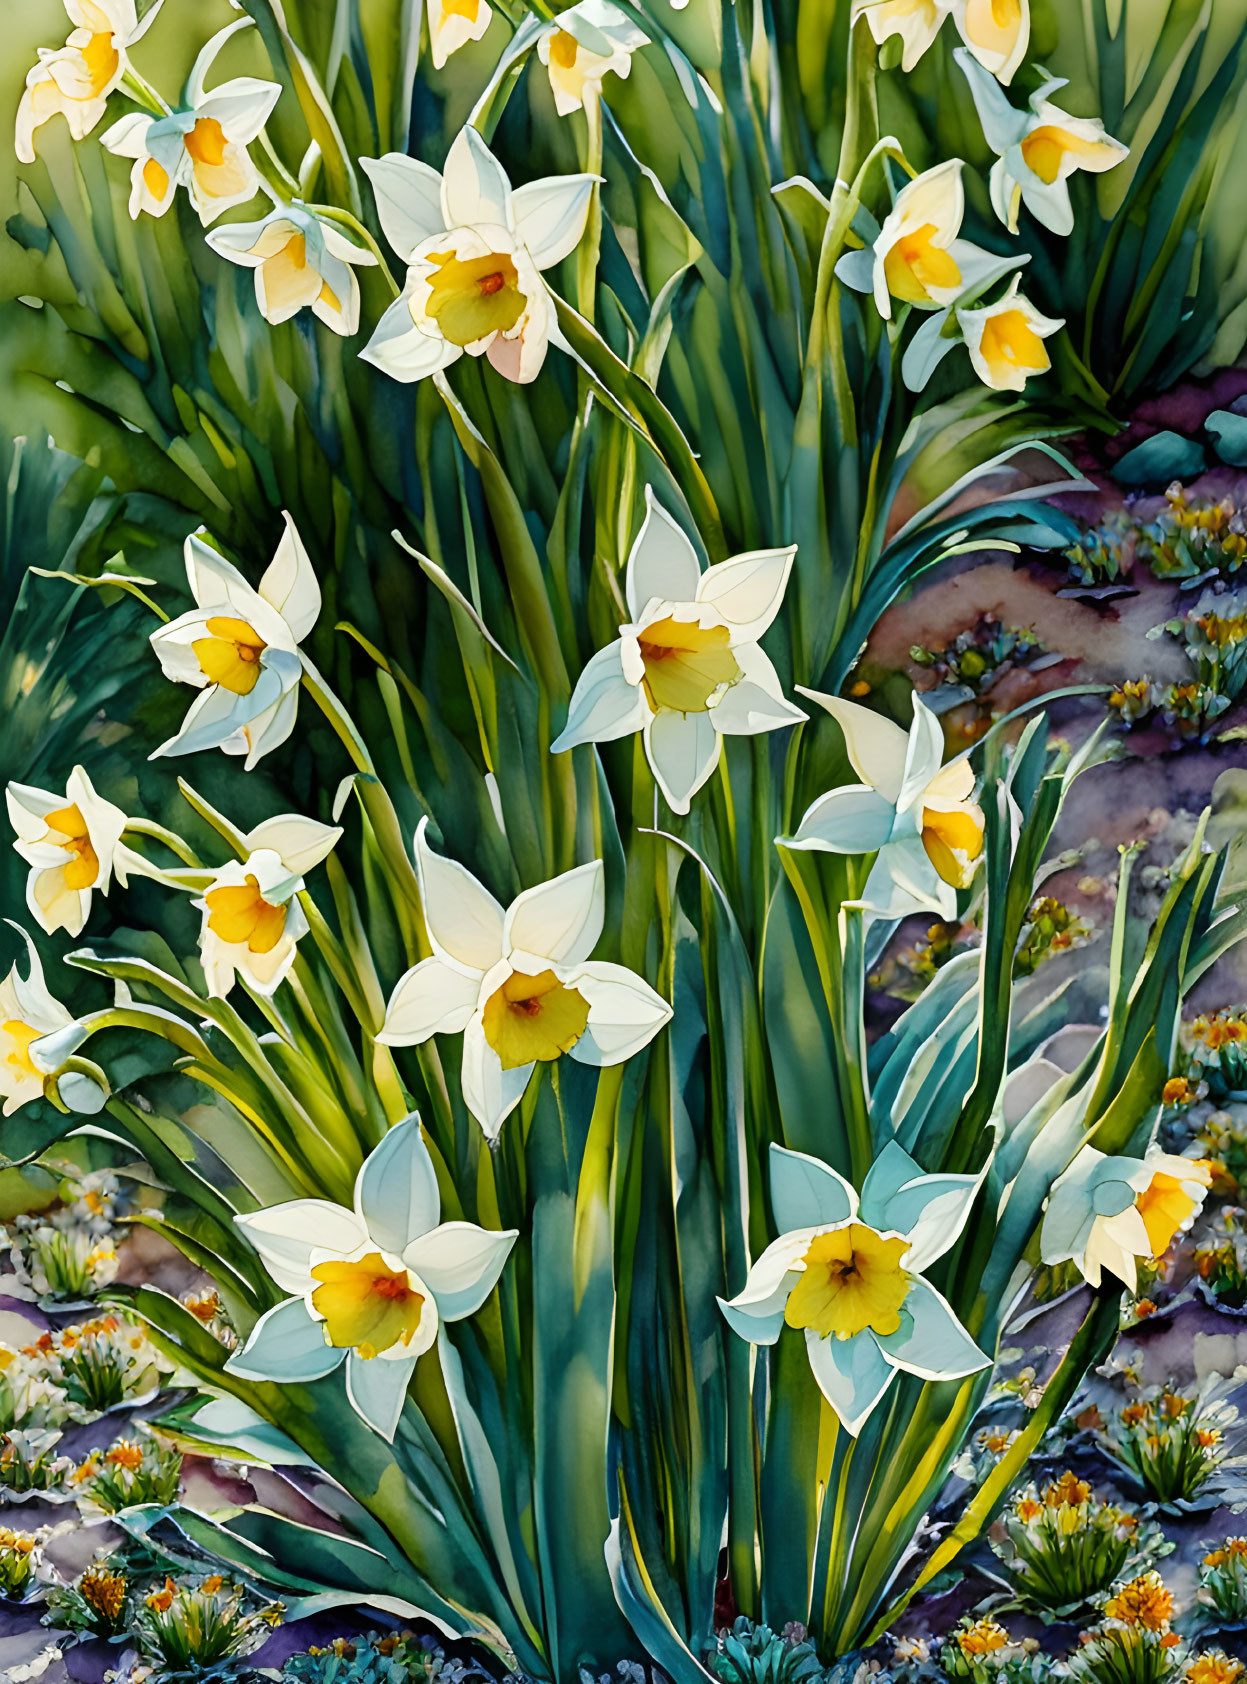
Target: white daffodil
(251,921)
(34,1042)
(373,1285)
(918,257)
(202,146)
(240,648)
(1037,150)
(997,32)
(474,249)
(1106,1213)
(848,1271)
(300,260)
(519,983)
(1005,341)
(920,816)
(453,23)
(582,45)
(71,843)
(688,669)
(917,22)
(76,79)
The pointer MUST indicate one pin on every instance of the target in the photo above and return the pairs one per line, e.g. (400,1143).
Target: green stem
(332,213)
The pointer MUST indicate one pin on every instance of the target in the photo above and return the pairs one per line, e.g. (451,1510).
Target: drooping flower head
(37,1035)
(687,669)
(72,844)
(518,983)
(997,32)
(240,648)
(847,1271)
(453,23)
(584,44)
(474,249)
(1107,1212)
(301,261)
(75,80)
(919,817)
(373,1284)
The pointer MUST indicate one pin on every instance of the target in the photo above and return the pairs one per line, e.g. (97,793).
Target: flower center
(367,1306)
(563,49)
(914,266)
(462,9)
(534,1019)
(70,830)
(238,912)
(685,664)
(206,142)
(1009,341)
(953,841)
(230,654)
(156,178)
(1045,149)
(993,23)
(101,59)
(19,1035)
(852,1281)
(473,297)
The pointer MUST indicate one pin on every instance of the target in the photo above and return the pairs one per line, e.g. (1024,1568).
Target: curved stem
(333,213)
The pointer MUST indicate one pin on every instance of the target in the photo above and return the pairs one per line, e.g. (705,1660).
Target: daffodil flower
(372,1285)
(202,146)
(71,843)
(240,648)
(37,1035)
(918,256)
(300,261)
(849,1273)
(1106,1212)
(918,816)
(688,669)
(251,922)
(582,45)
(518,983)
(1037,150)
(474,250)
(76,79)
(1005,341)
(997,32)
(917,22)
(453,23)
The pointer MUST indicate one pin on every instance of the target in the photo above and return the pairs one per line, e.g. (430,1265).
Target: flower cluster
(98,1364)
(1221,1261)
(1169,1444)
(982,1650)
(193,1626)
(1223,1580)
(966,668)
(19,1557)
(1194,538)
(1063,1545)
(129,1473)
(1132,1642)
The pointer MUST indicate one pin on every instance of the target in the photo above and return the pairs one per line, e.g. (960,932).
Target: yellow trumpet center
(230,654)
(367,1306)
(1164,1204)
(16,1039)
(953,841)
(1045,149)
(852,1281)
(238,912)
(461,9)
(563,49)
(685,664)
(1010,342)
(472,297)
(993,23)
(101,59)
(534,1019)
(206,142)
(155,178)
(68,829)
(915,265)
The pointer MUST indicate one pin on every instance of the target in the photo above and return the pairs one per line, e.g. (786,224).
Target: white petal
(290,584)
(474,186)
(489,1092)
(550,215)
(933,1345)
(464,921)
(241,106)
(923,754)
(460,1263)
(409,200)
(756,702)
(127,138)
(398,347)
(396,1196)
(853,820)
(876,746)
(1002,123)
(286,1345)
(435,997)
(807,1193)
(300,843)
(560,920)
(377,1390)
(683,751)
(625,1013)
(757,1311)
(851,1374)
(604,706)
(903,881)
(930,1210)
(286,1235)
(748,590)
(662,562)
(269,729)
